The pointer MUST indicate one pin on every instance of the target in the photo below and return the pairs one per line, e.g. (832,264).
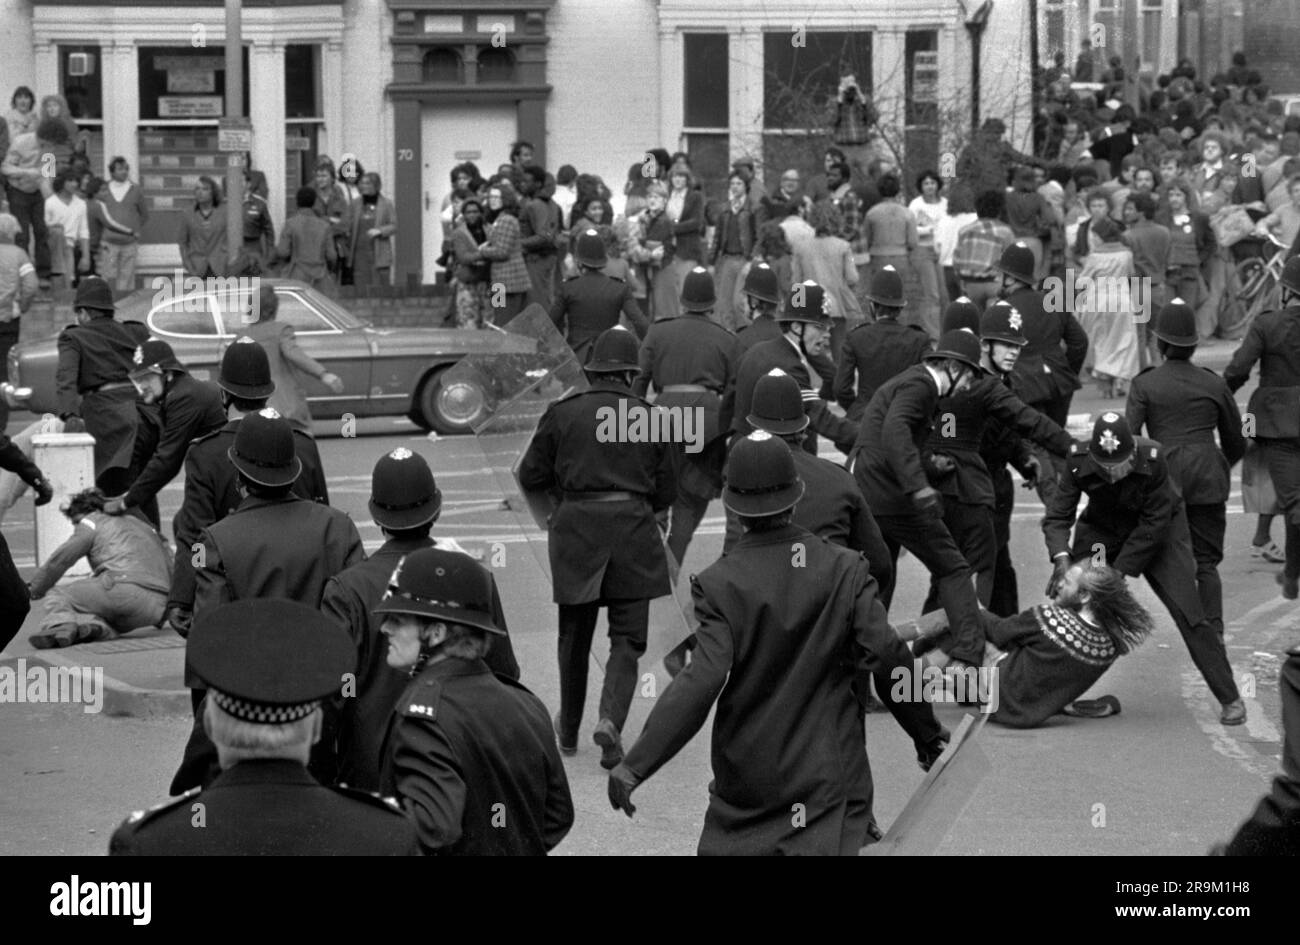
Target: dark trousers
(8,338)
(1172,575)
(1207,524)
(629,624)
(1283,458)
(688,511)
(971,527)
(15,602)
(1004,598)
(926,536)
(29,211)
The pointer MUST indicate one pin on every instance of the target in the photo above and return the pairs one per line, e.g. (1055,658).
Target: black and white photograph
(652,428)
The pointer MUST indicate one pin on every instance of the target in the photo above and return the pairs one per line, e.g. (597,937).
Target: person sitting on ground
(131,574)
(1048,656)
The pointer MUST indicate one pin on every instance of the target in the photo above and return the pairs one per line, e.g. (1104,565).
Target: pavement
(1163,777)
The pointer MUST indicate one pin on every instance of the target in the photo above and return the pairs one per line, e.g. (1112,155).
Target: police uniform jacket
(269,808)
(472,758)
(1274,341)
(274,548)
(762,328)
(1182,405)
(1274,828)
(876,351)
(590,303)
(190,408)
(350,599)
(959,431)
(788,733)
(780,353)
(887,462)
(692,351)
(92,381)
(1049,365)
(1133,518)
(212,493)
(600,549)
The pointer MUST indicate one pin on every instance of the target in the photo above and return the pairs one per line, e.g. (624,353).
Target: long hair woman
(202,236)
(504,251)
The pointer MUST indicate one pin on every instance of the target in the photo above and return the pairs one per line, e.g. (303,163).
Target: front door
(450,135)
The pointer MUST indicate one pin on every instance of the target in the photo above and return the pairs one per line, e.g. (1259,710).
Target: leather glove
(332,381)
(178,619)
(928,754)
(1035,472)
(44,491)
(927,500)
(1059,567)
(622,782)
(942,463)
(73,424)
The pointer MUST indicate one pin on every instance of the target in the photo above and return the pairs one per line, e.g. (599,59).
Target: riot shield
(536,368)
(935,806)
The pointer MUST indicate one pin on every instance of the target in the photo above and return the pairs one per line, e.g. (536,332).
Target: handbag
(1231,224)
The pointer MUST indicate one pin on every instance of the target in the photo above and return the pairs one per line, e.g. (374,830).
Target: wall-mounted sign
(235,134)
(494,23)
(191,81)
(468,155)
(925,77)
(168,63)
(297,144)
(444,23)
(189,106)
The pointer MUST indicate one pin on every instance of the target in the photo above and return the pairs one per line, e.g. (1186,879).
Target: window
(181,83)
(705,85)
(1053,28)
(495,65)
(304,319)
(306,117)
(443,65)
(189,317)
(801,75)
(1152,14)
(302,81)
(81,76)
(1108,15)
(710,162)
(921,59)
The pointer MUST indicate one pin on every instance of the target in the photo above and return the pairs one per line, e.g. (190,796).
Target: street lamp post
(234,109)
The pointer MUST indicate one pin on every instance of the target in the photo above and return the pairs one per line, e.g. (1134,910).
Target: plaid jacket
(503,249)
(979,247)
(850,207)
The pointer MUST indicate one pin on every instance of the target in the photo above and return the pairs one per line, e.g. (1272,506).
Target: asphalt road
(1161,778)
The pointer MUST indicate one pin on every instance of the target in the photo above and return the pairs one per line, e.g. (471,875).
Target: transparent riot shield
(534,368)
(935,806)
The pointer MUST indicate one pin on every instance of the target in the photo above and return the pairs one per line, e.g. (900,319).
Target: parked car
(396,371)
(1290,102)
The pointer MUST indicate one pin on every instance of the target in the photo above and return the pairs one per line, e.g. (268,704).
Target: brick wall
(603,65)
(394,307)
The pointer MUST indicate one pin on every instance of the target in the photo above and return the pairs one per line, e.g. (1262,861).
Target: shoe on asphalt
(611,744)
(1234,713)
(569,749)
(1290,586)
(1101,708)
(1270,553)
(69,634)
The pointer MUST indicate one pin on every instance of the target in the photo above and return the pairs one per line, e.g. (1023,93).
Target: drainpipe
(975,26)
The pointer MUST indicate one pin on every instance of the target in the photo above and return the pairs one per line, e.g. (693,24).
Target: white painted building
(411,87)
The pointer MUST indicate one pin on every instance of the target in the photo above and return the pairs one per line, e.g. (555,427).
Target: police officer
(832,506)
(95,392)
(591,302)
(952,453)
(273,545)
(877,350)
(1136,514)
(1181,406)
(691,360)
(405,502)
(470,755)
(178,408)
(270,663)
(762,294)
(1274,341)
(605,545)
(1274,828)
(1047,370)
(888,467)
(787,642)
(15,602)
(211,480)
(805,335)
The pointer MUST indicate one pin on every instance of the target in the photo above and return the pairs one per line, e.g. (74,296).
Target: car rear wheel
(448,407)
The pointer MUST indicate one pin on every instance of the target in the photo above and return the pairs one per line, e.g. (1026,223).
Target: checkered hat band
(765,490)
(394,591)
(261,464)
(403,507)
(260,712)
